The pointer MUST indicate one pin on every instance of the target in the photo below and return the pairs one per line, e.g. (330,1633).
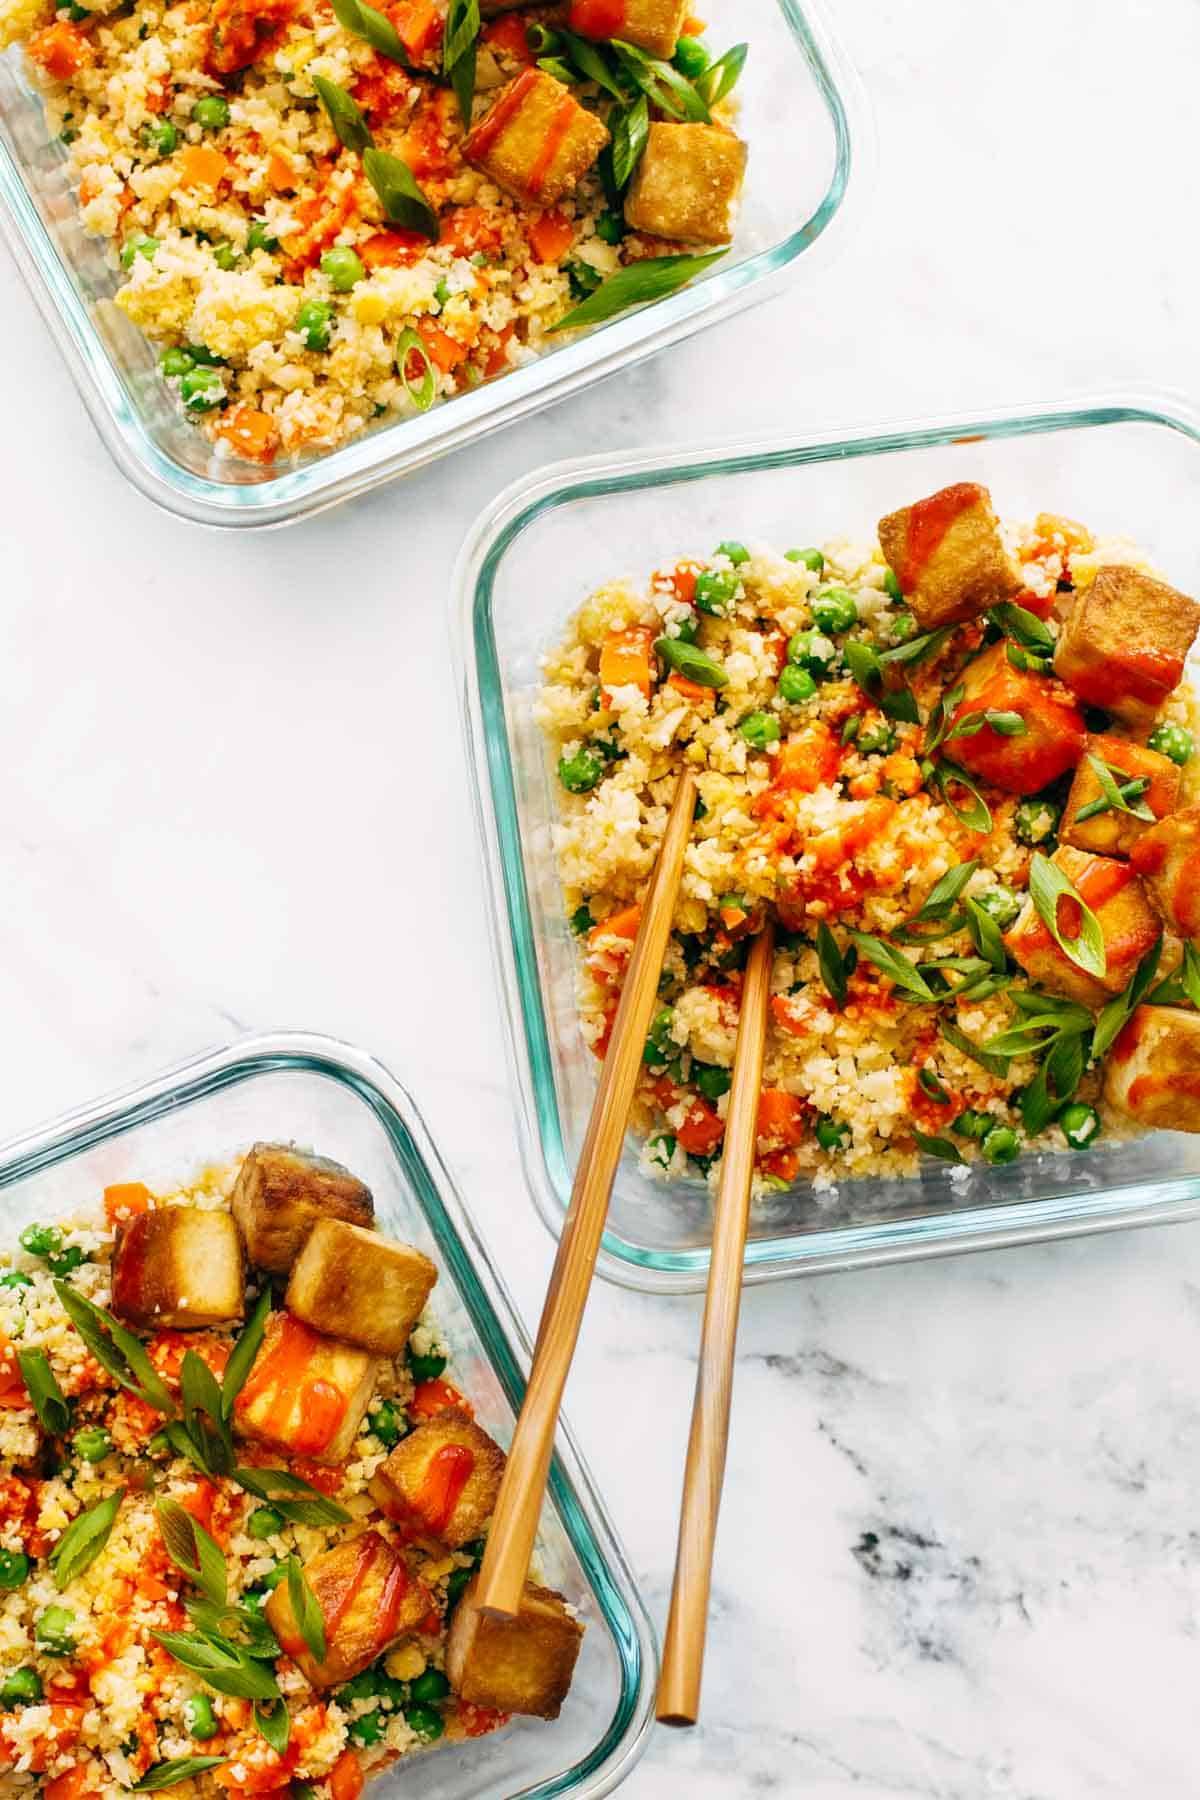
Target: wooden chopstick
(683,1650)
(518,1508)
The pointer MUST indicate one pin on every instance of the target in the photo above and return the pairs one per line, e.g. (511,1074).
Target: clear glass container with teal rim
(319,1093)
(803,115)
(1125,466)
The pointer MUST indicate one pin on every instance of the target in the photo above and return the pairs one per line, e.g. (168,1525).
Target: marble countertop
(957,1555)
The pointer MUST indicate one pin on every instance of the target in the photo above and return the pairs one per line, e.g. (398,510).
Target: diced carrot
(419,25)
(126,1199)
(433,1397)
(392,249)
(683,580)
(507,33)
(623,924)
(782,1117)
(626,661)
(807,759)
(471,230)
(61,50)
(242,31)
(693,26)
(551,235)
(497,357)
(702,1129)
(689,690)
(477,1721)
(200,165)
(783,1164)
(280,173)
(425,145)
(13,1392)
(250,434)
(346,1777)
(445,352)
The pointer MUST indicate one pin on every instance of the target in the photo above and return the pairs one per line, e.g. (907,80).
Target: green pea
(343,268)
(200,353)
(660,1149)
(161,137)
(202,389)
(14,1568)
(1036,821)
(691,57)
(831,1135)
(264,1522)
(712,1081)
(176,362)
(273,1578)
(92,1444)
(972,1124)
(686,628)
(369,1729)
(65,1262)
(16,1278)
(432,1685)
(359,1687)
(387,1424)
(54,1631)
(581,772)
(835,610)
(425,1721)
(813,651)
(225,256)
(1000,903)
(1080,1124)
(313,322)
(660,1046)
(812,559)
(760,729)
(796,685)
(875,738)
(40,1240)
(259,238)
(138,245)
(426,1368)
(1001,1145)
(737,553)
(199,1719)
(1173,741)
(715,590)
(211,112)
(891,586)
(582,920)
(23,1687)
(904,626)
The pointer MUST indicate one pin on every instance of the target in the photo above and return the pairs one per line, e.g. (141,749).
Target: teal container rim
(547,1166)
(488,1303)
(407,445)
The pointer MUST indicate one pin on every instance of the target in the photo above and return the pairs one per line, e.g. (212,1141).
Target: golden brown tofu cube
(179,1267)
(1125,642)
(1113,832)
(1167,857)
(1128,924)
(652,25)
(948,555)
(442,1480)
(352,1284)
(281,1193)
(368,1597)
(1153,1069)
(304,1392)
(536,140)
(521,1665)
(687,183)
(1054,732)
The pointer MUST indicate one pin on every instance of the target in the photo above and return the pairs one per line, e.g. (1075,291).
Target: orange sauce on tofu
(1099,883)
(1134,673)
(281,1375)
(552,143)
(481,139)
(928,522)
(1186,896)
(449,1471)
(1185,1084)
(369,1547)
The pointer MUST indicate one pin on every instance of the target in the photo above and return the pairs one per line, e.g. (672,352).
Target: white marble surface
(959,1553)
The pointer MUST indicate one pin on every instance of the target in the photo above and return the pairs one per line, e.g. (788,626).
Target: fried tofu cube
(281,1193)
(1128,924)
(521,1665)
(1051,736)
(368,1597)
(536,140)
(1153,1070)
(1167,857)
(948,555)
(179,1267)
(351,1284)
(304,1392)
(653,25)
(1125,643)
(687,184)
(442,1480)
(1113,832)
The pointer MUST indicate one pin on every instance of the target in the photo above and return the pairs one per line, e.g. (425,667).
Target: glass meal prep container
(320,1093)
(802,115)
(1127,469)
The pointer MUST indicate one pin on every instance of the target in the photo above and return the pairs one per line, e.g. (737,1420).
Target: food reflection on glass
(957,768)
(243,1501)
(327,213)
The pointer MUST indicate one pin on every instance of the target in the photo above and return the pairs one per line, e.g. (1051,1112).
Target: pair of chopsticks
(518,1508)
